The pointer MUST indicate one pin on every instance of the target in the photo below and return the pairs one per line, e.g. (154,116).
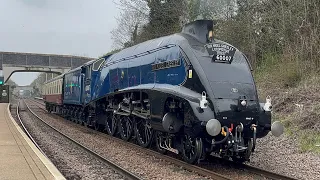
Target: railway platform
(19,157)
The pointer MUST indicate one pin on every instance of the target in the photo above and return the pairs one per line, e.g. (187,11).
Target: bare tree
(148,19)
(211,9)
(133,17)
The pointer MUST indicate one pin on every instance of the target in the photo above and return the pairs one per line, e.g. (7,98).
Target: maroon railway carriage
(53,94)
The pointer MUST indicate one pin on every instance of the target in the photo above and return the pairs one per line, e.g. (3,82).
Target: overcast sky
(70,27)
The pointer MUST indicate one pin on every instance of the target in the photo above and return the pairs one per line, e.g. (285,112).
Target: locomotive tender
(188,93)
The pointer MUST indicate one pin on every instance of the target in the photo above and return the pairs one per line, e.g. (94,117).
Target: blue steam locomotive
(187,93)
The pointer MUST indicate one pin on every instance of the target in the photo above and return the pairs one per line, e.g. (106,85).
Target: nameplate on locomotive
(221,52)
(166,64)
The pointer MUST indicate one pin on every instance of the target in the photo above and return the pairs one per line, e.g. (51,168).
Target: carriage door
(87,84)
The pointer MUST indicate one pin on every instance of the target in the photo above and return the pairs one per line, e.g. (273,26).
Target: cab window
(97,64)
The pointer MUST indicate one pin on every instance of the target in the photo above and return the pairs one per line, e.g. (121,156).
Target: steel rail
(112,164)
(265,173)
(177,162)
(199,170)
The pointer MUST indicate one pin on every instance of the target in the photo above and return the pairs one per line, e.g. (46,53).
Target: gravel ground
(135,160)
(281,155)
(72,161)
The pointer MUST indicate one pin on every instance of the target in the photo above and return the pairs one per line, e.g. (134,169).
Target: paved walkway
(19,157)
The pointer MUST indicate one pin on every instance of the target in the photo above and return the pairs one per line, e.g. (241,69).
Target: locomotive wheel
(68,114)
(82,119)
(239,160)
(191,149)
(86,121)
(159,136)
(246,155)
(143,132)
(97,125)
(111,124)
(64,112)
(49,109)
(74,116)
(79,118)
(125,127)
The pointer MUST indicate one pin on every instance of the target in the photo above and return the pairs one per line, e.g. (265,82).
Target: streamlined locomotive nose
(235,106)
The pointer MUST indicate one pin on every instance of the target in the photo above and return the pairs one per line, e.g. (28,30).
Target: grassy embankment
(295,92)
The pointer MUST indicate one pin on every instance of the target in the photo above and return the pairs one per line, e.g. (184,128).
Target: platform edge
(49,165)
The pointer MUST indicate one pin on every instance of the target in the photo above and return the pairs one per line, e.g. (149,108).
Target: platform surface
(19,157)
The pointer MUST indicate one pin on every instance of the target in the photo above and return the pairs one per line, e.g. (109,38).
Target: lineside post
(4,93)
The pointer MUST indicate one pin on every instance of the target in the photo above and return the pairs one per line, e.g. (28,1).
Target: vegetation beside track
(296,100)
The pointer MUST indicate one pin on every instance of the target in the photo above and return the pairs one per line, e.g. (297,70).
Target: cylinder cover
(171,123)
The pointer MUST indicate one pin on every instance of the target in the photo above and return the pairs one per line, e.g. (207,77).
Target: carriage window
(60,87)
(97,64)
(88,71)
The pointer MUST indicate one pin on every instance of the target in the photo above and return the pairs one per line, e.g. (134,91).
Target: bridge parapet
(32,59)
(11,62)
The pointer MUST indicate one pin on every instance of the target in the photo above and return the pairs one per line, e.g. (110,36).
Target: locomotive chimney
(202,30)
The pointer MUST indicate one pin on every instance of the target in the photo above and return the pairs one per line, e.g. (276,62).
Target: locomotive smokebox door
(4,97)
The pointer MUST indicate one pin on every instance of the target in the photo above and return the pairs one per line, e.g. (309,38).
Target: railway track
(194,168)
(26,131)
(113,165)
(252,169)
(265,173)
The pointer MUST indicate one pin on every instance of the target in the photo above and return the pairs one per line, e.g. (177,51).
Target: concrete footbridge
(11,62)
